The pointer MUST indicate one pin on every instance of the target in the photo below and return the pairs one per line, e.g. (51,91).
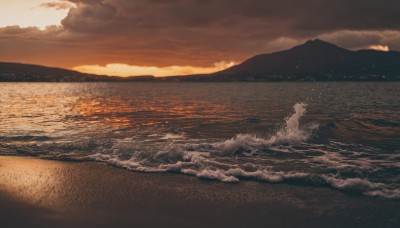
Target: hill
(18,72)
(315,60)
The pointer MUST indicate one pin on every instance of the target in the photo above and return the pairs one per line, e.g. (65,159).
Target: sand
(46,193)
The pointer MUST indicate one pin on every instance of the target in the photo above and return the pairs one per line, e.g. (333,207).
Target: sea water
(340,135)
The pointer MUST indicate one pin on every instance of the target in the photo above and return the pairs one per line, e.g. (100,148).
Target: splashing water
(200,159)
(290,134)
(285,156)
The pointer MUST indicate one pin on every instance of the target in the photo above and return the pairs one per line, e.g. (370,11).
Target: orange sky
(177,37)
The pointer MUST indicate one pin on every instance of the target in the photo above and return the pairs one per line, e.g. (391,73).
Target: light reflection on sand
(31,181)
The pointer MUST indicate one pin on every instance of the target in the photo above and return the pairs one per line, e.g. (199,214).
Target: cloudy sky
(164,37)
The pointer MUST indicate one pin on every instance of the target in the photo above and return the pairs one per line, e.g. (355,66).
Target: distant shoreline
(167,81)
(315,60)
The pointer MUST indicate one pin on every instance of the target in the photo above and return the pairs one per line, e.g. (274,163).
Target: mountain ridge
(318,60)
(315,60)
(20,72)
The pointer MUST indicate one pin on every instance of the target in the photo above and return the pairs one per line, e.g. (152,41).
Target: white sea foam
(198,166)
(261,159)
(290,134)
(174,136)
(241,143)
(364,186)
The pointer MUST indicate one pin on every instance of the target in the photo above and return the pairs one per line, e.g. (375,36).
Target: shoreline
(37,192)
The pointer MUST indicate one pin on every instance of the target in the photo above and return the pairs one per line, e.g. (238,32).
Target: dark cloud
(201,32)
(364,39)
(289,15)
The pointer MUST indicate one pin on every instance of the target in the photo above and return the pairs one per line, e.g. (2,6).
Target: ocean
(340,135)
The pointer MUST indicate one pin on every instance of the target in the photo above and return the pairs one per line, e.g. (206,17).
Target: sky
(177,37)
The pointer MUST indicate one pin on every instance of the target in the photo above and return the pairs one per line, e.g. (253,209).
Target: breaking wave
(287,156)
(290,134)
(249,157)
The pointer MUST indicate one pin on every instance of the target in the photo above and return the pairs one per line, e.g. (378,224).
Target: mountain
(18,72)
(317,60)
(27,72)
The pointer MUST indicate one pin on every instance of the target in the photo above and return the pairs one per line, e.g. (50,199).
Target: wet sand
(44,193)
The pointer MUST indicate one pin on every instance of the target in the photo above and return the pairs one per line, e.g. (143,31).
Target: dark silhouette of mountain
(18,72)
(315,60)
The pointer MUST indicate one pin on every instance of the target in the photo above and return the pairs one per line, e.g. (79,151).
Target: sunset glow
(164,38)
(379,47)
(199,113)
(117,69)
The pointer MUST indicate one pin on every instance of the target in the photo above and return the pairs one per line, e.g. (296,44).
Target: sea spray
(290,134)
(192,141)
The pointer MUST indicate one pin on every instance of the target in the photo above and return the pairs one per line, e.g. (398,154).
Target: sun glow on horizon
(125,70)
(379,47)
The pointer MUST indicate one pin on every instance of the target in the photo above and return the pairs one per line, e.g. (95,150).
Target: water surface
(338,135)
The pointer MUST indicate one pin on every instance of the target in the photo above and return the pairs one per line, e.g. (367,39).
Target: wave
(174,136)
(214,160)
(287,156)
(198,166)
(290,134)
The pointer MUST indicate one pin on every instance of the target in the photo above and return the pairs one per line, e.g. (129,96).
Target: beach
(46,193)
(239,114)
